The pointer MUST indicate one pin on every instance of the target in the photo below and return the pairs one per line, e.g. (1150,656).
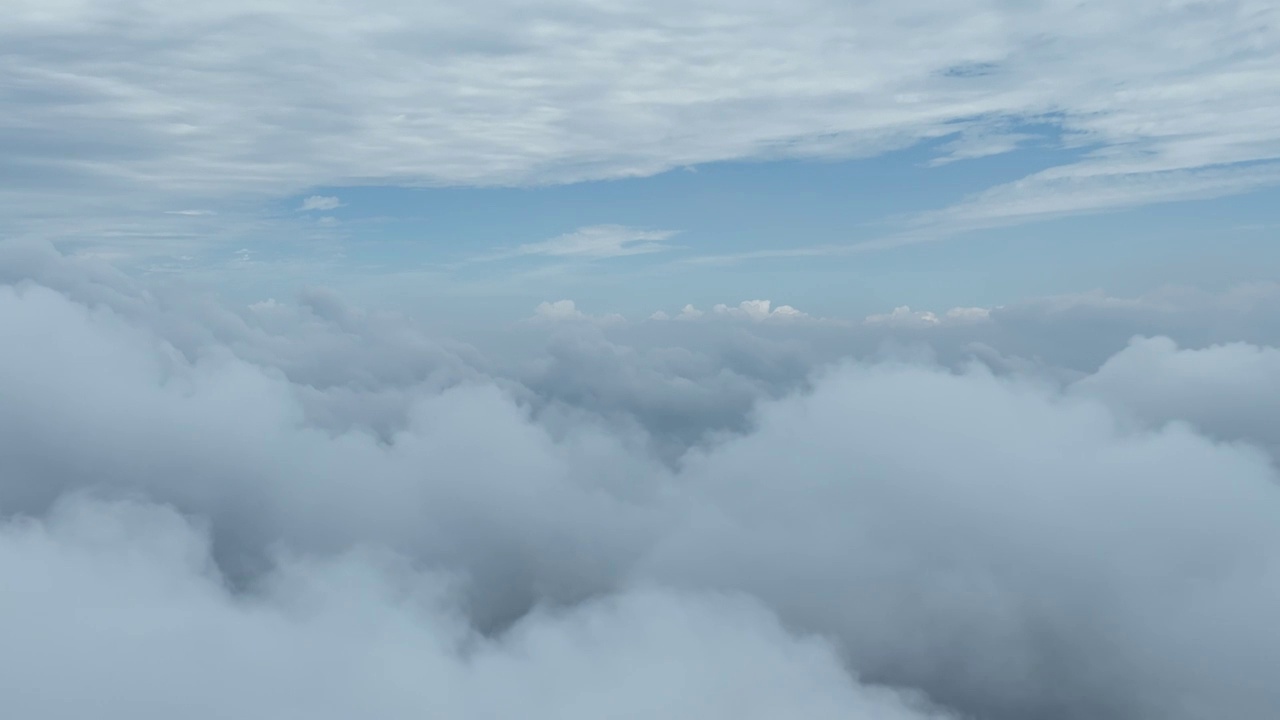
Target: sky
(845,158)
(702,360)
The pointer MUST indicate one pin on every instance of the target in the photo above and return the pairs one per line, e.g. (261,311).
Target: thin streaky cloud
(1086,188)
(492,98)
(596,242)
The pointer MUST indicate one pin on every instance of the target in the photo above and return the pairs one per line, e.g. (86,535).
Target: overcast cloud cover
(232,487)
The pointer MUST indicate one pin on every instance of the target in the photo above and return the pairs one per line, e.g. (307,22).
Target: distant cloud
(320,202)
(561,310)
(689,312)
(759,310)
(596,242)
(191,213)
(558,310)
(904,316)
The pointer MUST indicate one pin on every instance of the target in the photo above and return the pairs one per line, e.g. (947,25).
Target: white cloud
(320,202)
(759,310)
(292,96)
(689,312)
(561,310)
(903,316)
(1091,186)
(981,142)
(1230,391)
(593,243)
(1003,545)
(968,314)
(558,310)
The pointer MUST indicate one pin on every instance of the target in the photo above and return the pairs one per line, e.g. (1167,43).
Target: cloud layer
(300,508)
(155,107)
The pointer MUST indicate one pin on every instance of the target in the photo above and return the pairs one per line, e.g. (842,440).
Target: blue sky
(713,211)
(844,160)
(719,214)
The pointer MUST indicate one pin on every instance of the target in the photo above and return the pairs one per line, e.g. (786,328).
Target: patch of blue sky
(737,208)
(717,208)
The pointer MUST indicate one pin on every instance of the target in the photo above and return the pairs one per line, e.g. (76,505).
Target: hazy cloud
(320,202)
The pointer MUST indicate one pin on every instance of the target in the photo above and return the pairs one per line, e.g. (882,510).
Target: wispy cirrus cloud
(1088,187)
(596,242)
(152,106)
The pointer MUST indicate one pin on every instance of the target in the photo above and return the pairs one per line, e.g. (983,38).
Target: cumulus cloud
(563,310)
(558,310)
(1229,391)
(756,310)
(759,310)
(884,538)
(904,316)
(689,312)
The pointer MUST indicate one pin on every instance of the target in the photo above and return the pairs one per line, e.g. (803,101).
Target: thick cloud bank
(302,510)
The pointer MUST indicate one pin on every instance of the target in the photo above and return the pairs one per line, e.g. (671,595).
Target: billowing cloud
(1229,391)
(302,507)
(366,632)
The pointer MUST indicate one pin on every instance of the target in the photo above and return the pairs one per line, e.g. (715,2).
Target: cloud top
(306,507)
